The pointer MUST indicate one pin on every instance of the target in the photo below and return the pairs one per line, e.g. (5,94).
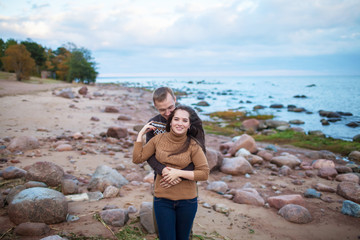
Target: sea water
(330,93)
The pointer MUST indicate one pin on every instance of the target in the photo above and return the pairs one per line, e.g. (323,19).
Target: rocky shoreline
(81,139)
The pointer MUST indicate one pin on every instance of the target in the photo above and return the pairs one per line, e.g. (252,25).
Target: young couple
(178,158)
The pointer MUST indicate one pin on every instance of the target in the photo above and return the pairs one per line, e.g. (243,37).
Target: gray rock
(146,217)
(218,186)
(350,208)
(295,213)
(236,166)
(356,138)
(53,237)
(38,205)
(106,176)
(69,186)
(46,172)
(276,123)
(115,217)
(354,156)
(248,196)
(214,158)
(317,133)
(66,93)
(287,160)
(32,229)
(12,172)
(349,190)
(23,143)
(327,172)
(312,193)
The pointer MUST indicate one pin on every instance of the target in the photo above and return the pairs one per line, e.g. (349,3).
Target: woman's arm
(142,153)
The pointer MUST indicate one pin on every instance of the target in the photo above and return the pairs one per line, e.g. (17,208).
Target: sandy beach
(35,110)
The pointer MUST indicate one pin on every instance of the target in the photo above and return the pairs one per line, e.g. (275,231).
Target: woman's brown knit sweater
(164,144)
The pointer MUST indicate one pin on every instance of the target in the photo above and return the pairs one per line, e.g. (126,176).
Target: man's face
(166,107)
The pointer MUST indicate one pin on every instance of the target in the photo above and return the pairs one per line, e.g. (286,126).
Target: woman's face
(180,122)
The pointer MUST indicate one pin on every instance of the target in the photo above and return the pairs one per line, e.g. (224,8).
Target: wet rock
(327,172)
(12,172)
(324,122)
(347,177)
(322,163)
(248,196)
(117,132)
(295,213)
(23,143)
(297,122)
(353,124)
(349,190)
(42,205)
(236,166)
(329,114)
(282,200)
(312,193)
(111,192)
(316,133)
(356,138)
(324,188)
(287,160)
(106,176)
(32,229)
(350,208)
(244,141)
(111,109)
(214,158)
(257,107)
(46,172)
(276,106)
(218,186)
(146,217)
(203,104)
(115,217)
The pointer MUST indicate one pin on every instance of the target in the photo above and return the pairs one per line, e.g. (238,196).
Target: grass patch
(6,75)
(310,142)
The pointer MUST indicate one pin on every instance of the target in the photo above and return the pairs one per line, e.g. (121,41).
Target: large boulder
(349,190)
(38,204)
(287,160)
(244,141)
(146,217)
(23,143)
(236,166)
(214,158)
(280,201)
(105,176)
(46,172)
(248,196)
(295,213)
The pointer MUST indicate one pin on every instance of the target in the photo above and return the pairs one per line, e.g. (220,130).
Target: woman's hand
(172,176)
(147,128)
(166,184)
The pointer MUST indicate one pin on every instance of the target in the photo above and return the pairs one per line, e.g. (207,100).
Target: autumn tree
(18,59)
(37,53)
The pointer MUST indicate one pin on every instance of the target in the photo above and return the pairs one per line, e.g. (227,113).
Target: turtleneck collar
(175,137)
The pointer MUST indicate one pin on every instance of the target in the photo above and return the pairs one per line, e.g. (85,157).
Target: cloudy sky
(196,37)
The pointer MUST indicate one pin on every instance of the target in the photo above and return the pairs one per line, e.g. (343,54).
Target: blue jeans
(175,218)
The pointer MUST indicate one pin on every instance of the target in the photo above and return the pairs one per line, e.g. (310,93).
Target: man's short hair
(160,94)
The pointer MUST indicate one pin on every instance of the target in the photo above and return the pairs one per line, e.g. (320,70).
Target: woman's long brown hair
(195,131)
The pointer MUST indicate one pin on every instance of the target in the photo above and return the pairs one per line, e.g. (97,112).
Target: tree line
(67,63)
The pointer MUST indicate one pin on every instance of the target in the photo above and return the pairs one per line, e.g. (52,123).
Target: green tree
(37,53)
(2,52)
(19,60)
(81,66)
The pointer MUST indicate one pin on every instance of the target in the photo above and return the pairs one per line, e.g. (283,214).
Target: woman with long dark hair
(183,143)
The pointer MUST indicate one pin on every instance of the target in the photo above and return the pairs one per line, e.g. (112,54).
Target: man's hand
(168,179)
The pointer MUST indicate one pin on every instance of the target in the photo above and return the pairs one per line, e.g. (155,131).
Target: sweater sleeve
(141,152)
(201,171)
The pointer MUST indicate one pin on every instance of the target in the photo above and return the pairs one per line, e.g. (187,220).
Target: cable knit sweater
(163,145)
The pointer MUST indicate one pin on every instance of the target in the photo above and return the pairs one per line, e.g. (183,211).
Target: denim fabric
(175,218)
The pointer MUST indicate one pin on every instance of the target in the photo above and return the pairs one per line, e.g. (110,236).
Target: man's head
(164,101)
